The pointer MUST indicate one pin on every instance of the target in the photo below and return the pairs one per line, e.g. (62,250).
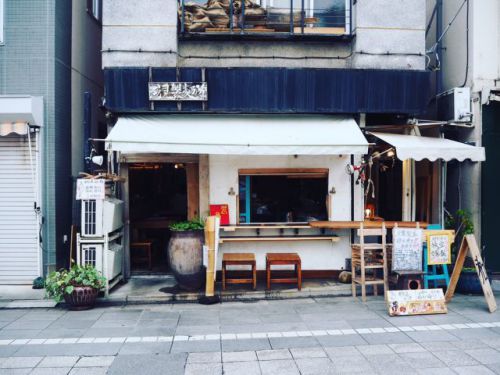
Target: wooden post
(469,244)
(211,243)
(193,190)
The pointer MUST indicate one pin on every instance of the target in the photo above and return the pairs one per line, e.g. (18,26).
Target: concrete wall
(86,76)
(315,254)
(139,25)
(382,26)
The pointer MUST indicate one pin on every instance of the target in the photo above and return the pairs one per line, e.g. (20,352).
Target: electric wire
(466,46)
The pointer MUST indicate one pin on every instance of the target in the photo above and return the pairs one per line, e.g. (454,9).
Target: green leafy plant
(38,283)
(64,281)
(181,226)
(461,222)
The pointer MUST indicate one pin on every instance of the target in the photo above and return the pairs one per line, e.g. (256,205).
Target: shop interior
(158,197)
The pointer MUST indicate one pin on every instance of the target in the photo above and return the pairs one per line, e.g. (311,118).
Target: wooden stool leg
(254,276)
(299,275)
(268,274)
(375,290)
(353,284)
(363,277)
(223,276)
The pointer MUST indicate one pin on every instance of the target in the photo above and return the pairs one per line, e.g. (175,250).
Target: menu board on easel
(407,249)
(439,247)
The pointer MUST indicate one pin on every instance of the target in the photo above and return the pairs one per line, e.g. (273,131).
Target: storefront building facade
(274,125)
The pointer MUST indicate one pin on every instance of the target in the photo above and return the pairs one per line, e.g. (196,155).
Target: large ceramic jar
(185,256)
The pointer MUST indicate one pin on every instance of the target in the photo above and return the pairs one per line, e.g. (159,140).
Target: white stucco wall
(315,255)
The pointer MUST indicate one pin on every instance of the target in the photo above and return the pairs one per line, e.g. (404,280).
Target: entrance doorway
(157,197)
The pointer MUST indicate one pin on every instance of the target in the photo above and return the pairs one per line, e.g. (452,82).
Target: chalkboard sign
(407,249)
(439,247)
(416,302)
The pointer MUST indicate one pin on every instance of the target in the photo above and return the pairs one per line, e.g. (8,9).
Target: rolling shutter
(19,250)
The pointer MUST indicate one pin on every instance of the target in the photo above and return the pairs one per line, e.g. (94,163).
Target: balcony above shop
(265,19)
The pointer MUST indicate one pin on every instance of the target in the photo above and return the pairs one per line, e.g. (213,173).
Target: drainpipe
(439,48)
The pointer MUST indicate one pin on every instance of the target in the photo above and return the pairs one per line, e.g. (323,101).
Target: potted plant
(185,253)
(78,286)
(461,222)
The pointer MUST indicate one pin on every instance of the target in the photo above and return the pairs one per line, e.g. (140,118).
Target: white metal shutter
(19,251)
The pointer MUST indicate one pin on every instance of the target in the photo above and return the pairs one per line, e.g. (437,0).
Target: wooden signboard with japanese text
(439,247)
(407,249)
(469,246)
(416,302)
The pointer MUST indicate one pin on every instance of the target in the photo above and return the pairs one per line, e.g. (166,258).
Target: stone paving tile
(69,350)
(342,351)
(308,353)
(472,344)
(476,333)
(476,370)
(435,371)
(407,348)
(315,366)
(456,358)
(203,368)
(375,349)
(150,364)
(493,343)
(204,357)
(342,340)
(59,361)
(89,371)
(145,347)
(51,371)
(422,360)
(195,346)
(245,356)
(428,336)
(279,367)
(387,338)
(293,342)
(352,364)
(268,355)
(242,345)
(17,371)
(20,362)
(485,356)
(495,367)
(97,361)
(238,368)
(23,324)
(19,333)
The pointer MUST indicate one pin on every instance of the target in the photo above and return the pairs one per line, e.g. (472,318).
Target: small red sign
(222,211)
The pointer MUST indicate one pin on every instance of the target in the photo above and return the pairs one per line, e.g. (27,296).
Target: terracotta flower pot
(82,298)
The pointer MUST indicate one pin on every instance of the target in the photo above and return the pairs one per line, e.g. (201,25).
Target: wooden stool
(239,259)
(279,259)
(145,246)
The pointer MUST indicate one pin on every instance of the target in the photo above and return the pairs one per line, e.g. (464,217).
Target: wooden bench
(239,259)
(280,259)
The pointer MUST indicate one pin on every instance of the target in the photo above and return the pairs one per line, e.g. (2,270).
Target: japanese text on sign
(90,189)
(439,251)
(407,249)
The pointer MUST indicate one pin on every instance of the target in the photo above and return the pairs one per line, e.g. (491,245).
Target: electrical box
(455,106)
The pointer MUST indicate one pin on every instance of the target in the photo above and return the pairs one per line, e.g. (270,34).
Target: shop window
(283,195)
(299,17)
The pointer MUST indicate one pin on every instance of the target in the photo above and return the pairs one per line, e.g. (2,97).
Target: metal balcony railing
(265,17)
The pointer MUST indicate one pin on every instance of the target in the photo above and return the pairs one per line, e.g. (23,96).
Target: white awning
(16,112)
(237,135)
(418,148)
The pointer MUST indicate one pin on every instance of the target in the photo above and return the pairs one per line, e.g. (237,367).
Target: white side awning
(418,148)
(16,112)
(237,135)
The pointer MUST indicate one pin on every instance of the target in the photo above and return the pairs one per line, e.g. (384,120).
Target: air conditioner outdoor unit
(454,105)
(101,216)
(106,257)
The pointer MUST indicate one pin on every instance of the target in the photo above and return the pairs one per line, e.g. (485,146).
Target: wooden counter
(367,224)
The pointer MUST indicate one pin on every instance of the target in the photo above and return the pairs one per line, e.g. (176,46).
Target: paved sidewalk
(337,335)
